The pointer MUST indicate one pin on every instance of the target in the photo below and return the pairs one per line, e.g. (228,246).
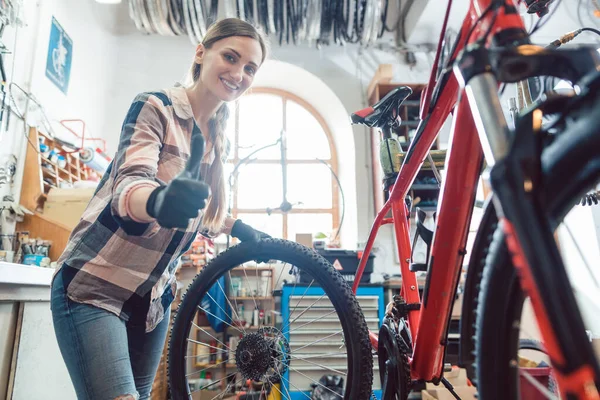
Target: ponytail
(216,210)
(215,213)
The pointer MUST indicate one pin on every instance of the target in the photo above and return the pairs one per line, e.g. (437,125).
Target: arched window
(257,182)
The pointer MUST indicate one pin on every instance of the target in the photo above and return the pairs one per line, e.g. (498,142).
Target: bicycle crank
(394,370)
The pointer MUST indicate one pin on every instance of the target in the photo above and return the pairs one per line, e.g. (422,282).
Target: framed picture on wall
(60,56)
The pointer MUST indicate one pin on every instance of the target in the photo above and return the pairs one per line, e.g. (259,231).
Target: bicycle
(530,199)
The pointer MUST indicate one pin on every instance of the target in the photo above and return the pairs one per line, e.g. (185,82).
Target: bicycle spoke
(224,345)
(262,390)
(248,282)
(227,299)
(294,386)
(220,319)
(215,382)
(280,392)
(324,355)
(233,309)
(303,312)
(320,365)
(258,289)
(280,275)
(206,344)
(538,385)
(298,303)
(223,393)
(313,320)
(320,340)
(318,383)
(202,370)
(200,357)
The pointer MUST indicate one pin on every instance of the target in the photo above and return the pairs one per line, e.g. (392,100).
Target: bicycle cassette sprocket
(394,369)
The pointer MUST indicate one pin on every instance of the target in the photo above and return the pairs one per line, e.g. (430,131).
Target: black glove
(247,233)
(181,199)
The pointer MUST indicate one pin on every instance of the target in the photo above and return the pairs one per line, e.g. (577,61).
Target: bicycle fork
(516,178)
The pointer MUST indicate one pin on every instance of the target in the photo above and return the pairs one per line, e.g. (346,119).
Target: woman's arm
(136,162)
(138,198)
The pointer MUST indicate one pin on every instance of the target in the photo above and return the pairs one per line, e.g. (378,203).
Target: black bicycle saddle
(385,111)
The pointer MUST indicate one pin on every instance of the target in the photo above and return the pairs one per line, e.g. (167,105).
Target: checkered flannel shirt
(113,261)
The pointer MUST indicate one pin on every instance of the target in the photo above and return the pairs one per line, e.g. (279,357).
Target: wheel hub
(253,356)
(263,356)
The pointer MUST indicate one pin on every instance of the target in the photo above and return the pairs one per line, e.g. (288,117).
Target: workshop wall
(90,76)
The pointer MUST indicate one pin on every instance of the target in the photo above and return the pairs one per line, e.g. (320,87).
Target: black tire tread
(322,271)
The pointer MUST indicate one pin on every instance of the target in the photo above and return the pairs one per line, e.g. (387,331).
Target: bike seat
(385,111)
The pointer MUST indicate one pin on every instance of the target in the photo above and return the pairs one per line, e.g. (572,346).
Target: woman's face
(229,66)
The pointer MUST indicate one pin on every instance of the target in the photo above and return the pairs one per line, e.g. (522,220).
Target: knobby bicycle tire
(356,334)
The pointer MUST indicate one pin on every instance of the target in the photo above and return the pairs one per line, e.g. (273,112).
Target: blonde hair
(217,205)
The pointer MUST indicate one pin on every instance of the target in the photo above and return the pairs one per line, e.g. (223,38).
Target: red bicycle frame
(429,324)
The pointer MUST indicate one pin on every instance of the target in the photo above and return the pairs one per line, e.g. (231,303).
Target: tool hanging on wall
(11,14)
(321,22)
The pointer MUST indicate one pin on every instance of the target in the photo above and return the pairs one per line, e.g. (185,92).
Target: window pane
(259,186)
(230,132)
(271,224)
(227,169)
(306,138)
(261,122)
(309,223)
(309,184)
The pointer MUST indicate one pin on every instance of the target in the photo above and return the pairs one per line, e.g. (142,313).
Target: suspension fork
(516,180)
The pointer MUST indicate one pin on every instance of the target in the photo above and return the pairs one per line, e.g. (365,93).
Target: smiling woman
(112,291)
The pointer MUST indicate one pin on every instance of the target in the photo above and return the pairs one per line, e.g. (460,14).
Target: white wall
(91,70)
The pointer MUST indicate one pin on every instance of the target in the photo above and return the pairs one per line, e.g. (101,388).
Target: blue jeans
(106,356)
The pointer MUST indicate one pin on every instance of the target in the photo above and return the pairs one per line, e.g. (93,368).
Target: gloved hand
(181,199)
(247,233)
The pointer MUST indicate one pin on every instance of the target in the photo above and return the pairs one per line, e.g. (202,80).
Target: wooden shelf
(46,171)
(34,189)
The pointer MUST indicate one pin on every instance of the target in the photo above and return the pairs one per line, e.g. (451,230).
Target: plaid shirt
(112,261)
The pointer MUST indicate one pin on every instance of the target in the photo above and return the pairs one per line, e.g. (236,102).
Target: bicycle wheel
(504,316)
(325,332)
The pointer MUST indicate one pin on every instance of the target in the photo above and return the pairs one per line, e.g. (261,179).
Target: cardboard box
(305,239)
(66,206)
(441,393)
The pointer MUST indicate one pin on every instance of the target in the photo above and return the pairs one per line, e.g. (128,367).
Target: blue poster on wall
(60,55)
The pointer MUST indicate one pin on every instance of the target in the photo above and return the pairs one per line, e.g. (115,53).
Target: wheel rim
(272,354)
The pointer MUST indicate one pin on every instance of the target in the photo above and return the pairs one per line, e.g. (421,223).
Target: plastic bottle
(389,152)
